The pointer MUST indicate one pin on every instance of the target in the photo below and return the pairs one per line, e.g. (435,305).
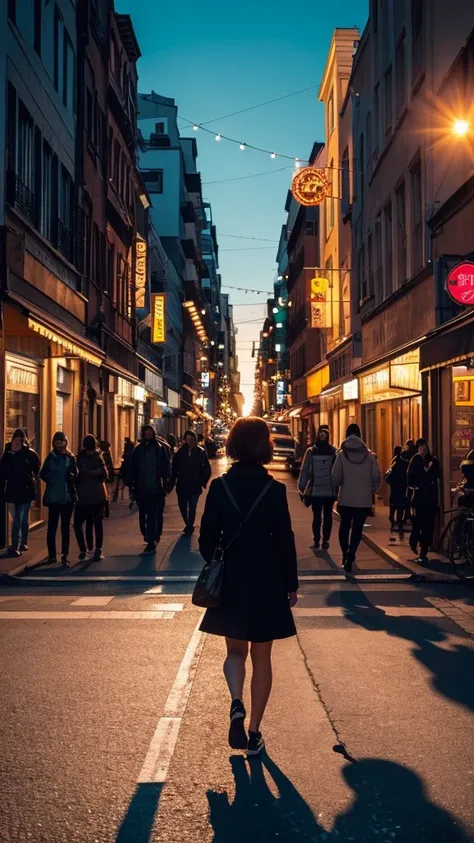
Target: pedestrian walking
(424,473)
(247,516)
(107,457)
(151,477)
(316,485)
(91,499)
(125,474)
(396,478)
(191,472)
(357,475)
(19,469)
(59,472)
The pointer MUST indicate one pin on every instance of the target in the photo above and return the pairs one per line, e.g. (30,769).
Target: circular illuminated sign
(310,186)
(319,287)
(460,283)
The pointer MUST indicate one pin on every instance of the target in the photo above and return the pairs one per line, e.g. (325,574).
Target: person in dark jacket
(396,478)
(107,457)
(59,472)
(19,469)
(151,477)
(260,573)
(315,482)
(91,498)
(423,479)
(191,473)
(125,474)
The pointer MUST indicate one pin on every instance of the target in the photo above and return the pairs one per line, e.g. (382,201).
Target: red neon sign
(460,283)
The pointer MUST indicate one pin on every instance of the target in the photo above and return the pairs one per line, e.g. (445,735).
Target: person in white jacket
(357,475)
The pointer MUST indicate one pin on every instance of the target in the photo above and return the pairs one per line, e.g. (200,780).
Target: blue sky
(214,58)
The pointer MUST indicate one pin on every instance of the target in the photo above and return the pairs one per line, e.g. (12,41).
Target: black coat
(92,475)
(260,566)
(19,474)
(162,464)
(425,483)
(396,477)
(191,470)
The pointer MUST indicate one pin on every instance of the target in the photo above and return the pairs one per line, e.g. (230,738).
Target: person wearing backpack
(396,478)
(59,472)
(357,475)
(191,472)
(91,498)
(246,514)
(150,484)
(316,486)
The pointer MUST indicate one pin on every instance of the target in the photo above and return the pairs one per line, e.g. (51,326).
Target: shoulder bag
(208,589)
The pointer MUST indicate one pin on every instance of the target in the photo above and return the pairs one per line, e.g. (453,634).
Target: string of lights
(243,146)
(248,249)
(248,290)
(245,237)
(253,107)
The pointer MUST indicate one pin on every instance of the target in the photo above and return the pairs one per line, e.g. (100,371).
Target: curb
(24,567)
(419,574)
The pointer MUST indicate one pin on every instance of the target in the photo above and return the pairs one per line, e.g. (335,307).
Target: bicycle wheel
(461,551)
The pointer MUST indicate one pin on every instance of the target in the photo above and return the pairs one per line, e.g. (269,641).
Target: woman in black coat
(19,469)
(396,478)
(260,573)
(423,479)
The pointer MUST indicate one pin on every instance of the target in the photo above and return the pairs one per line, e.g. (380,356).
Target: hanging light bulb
(273,155)
(242,146)
(195,127)
(218,138)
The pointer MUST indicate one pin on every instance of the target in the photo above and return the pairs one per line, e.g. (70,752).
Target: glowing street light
(460,128)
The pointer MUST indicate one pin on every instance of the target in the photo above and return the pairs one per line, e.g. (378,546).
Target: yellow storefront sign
(158,321)
(316,382)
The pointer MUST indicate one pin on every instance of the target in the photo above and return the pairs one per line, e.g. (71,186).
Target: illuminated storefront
(339,408)
(390,397)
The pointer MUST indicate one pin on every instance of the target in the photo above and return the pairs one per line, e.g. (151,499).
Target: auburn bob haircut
(249,441)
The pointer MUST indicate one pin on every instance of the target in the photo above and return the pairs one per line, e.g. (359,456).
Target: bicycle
(457,541)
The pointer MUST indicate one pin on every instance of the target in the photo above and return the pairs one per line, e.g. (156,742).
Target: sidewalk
(377,536)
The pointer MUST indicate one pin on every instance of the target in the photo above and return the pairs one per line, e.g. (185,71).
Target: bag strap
(251,510)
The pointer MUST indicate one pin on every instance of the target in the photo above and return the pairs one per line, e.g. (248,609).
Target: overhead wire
(253,107)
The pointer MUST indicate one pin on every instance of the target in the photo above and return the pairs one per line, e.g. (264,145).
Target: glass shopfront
(462,417)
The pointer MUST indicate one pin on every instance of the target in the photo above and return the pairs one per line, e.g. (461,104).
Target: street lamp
(460,128)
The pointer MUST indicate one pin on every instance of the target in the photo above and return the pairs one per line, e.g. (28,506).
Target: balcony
(20,196)
(64,240)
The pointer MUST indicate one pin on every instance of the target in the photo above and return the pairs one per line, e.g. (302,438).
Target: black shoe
(24,548)
(347,564)
(186,531)
(14,554)
(315,546)
(325,545)
(255,745)
(65,561)
(422,559)
(98,556)
(51,560)
(83,556)
(237,735)
(150,548)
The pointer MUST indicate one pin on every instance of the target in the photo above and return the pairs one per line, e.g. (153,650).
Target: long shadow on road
(452,670)
(137,825)
(389,804)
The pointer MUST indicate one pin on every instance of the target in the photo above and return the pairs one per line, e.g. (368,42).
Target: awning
(308,411)
(446,348)
(294,414)
(54,330)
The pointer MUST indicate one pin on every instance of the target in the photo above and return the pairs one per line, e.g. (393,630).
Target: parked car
(284,444)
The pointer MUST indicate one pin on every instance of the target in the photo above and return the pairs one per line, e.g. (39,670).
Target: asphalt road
(114,711)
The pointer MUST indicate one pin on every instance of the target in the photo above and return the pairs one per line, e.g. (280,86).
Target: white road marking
(168,607)
(86,616)
(92,601)
(163,743)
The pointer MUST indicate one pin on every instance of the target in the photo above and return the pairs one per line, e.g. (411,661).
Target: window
(376,120)
(388,117)
(68,73)
(401,236)
(119,282)
(361,167)
(417,51)
(388,249)
(159,128)
(345,182)
(309,228)
(23,186)
(46,216)
(378,266)
(153,180)
(401,75)
(58,51)
(361,274)
(89,113)
(110,151)
(64,236)
(417,219)
(370,264)
(330,113)
(116,162)
(111,270)
(330,202)
(368,137)
(37,25)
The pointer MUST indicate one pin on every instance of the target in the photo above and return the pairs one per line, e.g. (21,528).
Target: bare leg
(261,681)
(234,666)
